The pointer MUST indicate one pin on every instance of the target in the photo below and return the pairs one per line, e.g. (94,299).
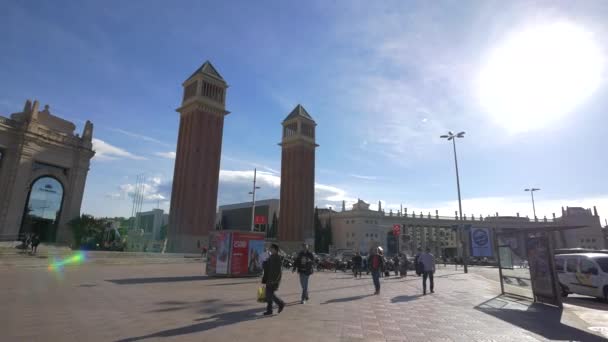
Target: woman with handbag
(272,279)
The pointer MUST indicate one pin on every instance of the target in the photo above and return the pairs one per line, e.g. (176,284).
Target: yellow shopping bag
(261,294)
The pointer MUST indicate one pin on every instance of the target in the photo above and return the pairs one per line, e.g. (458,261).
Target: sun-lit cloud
(105,151)
(168,155)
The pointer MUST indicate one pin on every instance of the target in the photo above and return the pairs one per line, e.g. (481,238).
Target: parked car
(583,273)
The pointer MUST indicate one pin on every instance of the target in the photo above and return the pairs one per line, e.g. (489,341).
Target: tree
(328,236)
(274,227)
(86,228)
(163,231)
(319,233)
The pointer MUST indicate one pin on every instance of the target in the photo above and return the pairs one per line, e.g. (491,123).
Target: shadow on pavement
(207,323)
(401,299)
(135,281)
(346,299)
(587,302)
(540,319)
(237,283)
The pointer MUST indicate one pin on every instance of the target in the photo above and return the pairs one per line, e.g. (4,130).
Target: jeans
(304,283)
(427,274)
(272,297)
(376,278)
(357,270)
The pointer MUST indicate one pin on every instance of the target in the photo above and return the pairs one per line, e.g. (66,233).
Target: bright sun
(538,75)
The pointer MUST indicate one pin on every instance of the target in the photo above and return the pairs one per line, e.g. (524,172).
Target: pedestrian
(273,271)
(396,264)
(376,264)
(357,264)
(304,264)
(404,265)
(35,243)
(428,269)
(417,262)
(445,260)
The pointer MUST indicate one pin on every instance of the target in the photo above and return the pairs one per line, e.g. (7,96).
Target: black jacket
(357,260)
(304,262)
(273,270)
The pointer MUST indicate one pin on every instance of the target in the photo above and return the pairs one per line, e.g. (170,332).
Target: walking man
(304,264)
(427,261)
(376,264)
(273,270)
(357,264)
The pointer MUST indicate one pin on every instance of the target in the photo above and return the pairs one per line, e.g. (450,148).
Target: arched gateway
(43,169)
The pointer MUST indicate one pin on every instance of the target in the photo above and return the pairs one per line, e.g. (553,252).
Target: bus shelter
(526,262)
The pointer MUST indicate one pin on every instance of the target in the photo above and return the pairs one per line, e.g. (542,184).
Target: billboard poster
(540,267)
(240,253)
(256,250)
(222,244)
(481,243)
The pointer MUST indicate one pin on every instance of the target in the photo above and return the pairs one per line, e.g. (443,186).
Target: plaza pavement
(134,301)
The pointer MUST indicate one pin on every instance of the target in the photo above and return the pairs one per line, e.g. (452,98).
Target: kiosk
(235,254)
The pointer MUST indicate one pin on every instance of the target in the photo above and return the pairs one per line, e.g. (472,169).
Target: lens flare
(76,259)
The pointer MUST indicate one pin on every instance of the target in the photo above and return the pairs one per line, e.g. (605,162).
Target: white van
(583,273)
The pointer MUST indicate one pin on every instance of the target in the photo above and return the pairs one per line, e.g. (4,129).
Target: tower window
(308,130)
(290,130)
(190,90)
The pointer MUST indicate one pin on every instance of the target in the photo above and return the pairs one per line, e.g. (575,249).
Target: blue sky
(382,82)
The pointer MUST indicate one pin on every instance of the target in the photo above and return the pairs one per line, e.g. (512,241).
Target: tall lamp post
(252,193)
(531,190)
(451,136)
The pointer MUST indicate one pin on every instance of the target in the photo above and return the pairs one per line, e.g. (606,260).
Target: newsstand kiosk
(235,254)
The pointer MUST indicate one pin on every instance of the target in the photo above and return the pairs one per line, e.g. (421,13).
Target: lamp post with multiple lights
(451,136)
(531,190)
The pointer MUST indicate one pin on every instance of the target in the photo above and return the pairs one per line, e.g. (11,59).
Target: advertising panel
(481,243)
(256,250)
(222,252)
(240,252)
(540,268)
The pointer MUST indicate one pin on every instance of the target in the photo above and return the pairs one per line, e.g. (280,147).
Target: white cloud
(364,177)
(151,188)
(262,178)
(139,136)
(106,151)
(168,155)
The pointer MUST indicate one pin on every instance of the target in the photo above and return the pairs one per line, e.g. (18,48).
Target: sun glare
(538,75)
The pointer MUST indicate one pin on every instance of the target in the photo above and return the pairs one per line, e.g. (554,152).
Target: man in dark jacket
(272,278)
(376,265)
(304,265)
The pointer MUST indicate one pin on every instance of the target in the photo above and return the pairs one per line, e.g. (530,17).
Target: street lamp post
(531,190)
(451,136)
(252,193)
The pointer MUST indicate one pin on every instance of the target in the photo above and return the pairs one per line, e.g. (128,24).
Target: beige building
(43,169)
(360,229)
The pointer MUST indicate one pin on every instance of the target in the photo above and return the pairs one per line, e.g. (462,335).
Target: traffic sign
(396,229)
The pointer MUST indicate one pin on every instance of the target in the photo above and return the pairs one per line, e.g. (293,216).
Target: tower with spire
(197,160)
(297,178)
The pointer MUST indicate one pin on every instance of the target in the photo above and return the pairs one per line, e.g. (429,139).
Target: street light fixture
(451,136)
(252,193)
(531,190)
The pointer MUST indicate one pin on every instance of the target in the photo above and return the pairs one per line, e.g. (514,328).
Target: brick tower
(197,161)
(297,179)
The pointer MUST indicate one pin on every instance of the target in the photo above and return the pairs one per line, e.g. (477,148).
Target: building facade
(238,216)
(360,229)
(43,170)
(151,222)
(197,161)
(297,198)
